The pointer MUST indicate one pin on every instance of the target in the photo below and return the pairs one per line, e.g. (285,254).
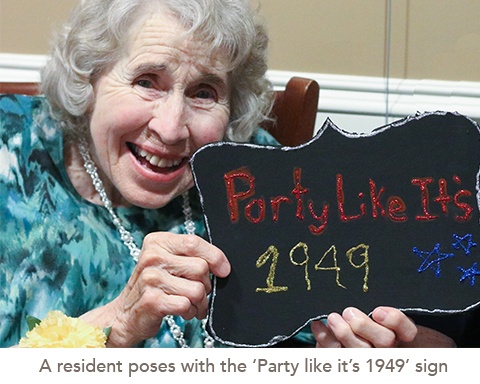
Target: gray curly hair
(96,36)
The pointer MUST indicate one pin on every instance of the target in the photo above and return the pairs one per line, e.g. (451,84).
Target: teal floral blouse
(57,250)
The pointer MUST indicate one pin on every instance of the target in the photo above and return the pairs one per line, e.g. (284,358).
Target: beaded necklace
(127,238)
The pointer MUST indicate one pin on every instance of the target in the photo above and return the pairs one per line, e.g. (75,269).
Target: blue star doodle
(464,242)
(432,259)
(470,273)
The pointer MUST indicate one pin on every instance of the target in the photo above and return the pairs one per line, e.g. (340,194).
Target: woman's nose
(169,119)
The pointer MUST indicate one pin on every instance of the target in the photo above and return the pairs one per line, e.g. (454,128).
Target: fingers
(176,295)
(366,332)
(324,336)
(189,245)
(172,277)
(354,329)
(163,266)
(404,328)
(179,266)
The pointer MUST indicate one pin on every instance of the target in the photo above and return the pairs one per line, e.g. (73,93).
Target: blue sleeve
(262,137)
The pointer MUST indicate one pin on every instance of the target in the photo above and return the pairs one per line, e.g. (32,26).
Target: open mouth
(156,163)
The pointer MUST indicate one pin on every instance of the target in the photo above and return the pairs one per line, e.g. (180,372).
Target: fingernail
(224,270)
(380,314)
(333,319)
(349,314)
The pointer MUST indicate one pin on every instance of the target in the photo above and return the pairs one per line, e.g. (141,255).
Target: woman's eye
(145,83)
(205,94)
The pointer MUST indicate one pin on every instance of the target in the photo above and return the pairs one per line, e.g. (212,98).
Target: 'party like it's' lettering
(433,201)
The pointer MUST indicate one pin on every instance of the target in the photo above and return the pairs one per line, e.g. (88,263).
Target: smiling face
(153,109)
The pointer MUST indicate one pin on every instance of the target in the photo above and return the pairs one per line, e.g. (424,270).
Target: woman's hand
(387,327)
(172,277)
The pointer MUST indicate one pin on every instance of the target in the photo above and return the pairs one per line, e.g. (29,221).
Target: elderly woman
(96,219)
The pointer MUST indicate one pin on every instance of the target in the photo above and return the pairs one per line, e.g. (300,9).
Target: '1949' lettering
(272,254)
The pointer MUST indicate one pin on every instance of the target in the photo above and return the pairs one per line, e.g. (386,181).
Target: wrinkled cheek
(212,137)
(215,134)
(129,119)
(208,129)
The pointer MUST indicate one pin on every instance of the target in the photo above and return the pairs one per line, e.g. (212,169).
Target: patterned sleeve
(262,137)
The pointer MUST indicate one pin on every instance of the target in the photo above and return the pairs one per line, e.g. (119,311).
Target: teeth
(154,160)
(157,161)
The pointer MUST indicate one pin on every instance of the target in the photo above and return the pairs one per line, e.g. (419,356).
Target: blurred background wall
(389,49)
(434,39)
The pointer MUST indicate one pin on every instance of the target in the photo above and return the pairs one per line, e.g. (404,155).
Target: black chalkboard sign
(386,218)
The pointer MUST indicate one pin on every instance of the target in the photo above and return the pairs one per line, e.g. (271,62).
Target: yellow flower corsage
(57,330)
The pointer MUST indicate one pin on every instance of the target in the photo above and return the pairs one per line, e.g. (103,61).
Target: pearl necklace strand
(127,238)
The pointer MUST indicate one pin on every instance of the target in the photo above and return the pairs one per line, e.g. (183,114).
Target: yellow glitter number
(350,254)
(304,262)
(335,267)
(271,288)
(272,252)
